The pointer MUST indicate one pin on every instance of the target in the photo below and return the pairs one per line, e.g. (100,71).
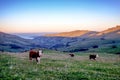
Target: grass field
(59,66)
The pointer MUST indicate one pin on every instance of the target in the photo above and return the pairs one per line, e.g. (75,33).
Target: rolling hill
(74,41)
(76,33)
(81,40)
(109,33)
(110,30)
(13,43)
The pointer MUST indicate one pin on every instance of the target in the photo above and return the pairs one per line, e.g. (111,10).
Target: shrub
(114,46)
(95,46)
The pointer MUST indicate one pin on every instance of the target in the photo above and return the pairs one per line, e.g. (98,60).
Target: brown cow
(93,56)
(35,54)
(71,54)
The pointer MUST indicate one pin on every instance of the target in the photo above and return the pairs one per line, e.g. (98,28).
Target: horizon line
(60,31)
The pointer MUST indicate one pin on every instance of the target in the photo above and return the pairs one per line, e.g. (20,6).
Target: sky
(58,15)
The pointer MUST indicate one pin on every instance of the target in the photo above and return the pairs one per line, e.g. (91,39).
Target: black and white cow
(93,56)
(71,54)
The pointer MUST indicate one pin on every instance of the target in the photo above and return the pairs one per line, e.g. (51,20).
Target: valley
(88,41)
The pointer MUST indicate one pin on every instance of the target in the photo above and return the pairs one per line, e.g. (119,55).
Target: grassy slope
(58,66)
(89,43)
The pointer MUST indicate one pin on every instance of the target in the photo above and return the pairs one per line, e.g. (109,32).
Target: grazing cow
(35,54)
(71,54)
(93,56)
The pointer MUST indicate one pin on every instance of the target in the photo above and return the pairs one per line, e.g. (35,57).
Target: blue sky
(58,15)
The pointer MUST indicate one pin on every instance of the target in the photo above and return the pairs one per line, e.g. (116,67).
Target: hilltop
(75,33)
(110,30)
(110,33)
(115,31)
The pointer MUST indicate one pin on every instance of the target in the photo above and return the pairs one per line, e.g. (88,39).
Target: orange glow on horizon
(46,28)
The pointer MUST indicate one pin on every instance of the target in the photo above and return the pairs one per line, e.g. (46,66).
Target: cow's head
(97,55)
(40,52)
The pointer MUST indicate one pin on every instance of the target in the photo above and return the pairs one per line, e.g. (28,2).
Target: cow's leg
(94,58)
(38,58)
(90,58)
(30,58)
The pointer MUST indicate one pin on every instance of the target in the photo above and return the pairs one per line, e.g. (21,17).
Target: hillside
(76,33)
(108,33)
(56,65)
(78,44)
(110,30)
(13,43)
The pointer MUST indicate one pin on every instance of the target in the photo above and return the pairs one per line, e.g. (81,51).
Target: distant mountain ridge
(69,34)
(31,35)
(110,33)
(110,30)
(80,33)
